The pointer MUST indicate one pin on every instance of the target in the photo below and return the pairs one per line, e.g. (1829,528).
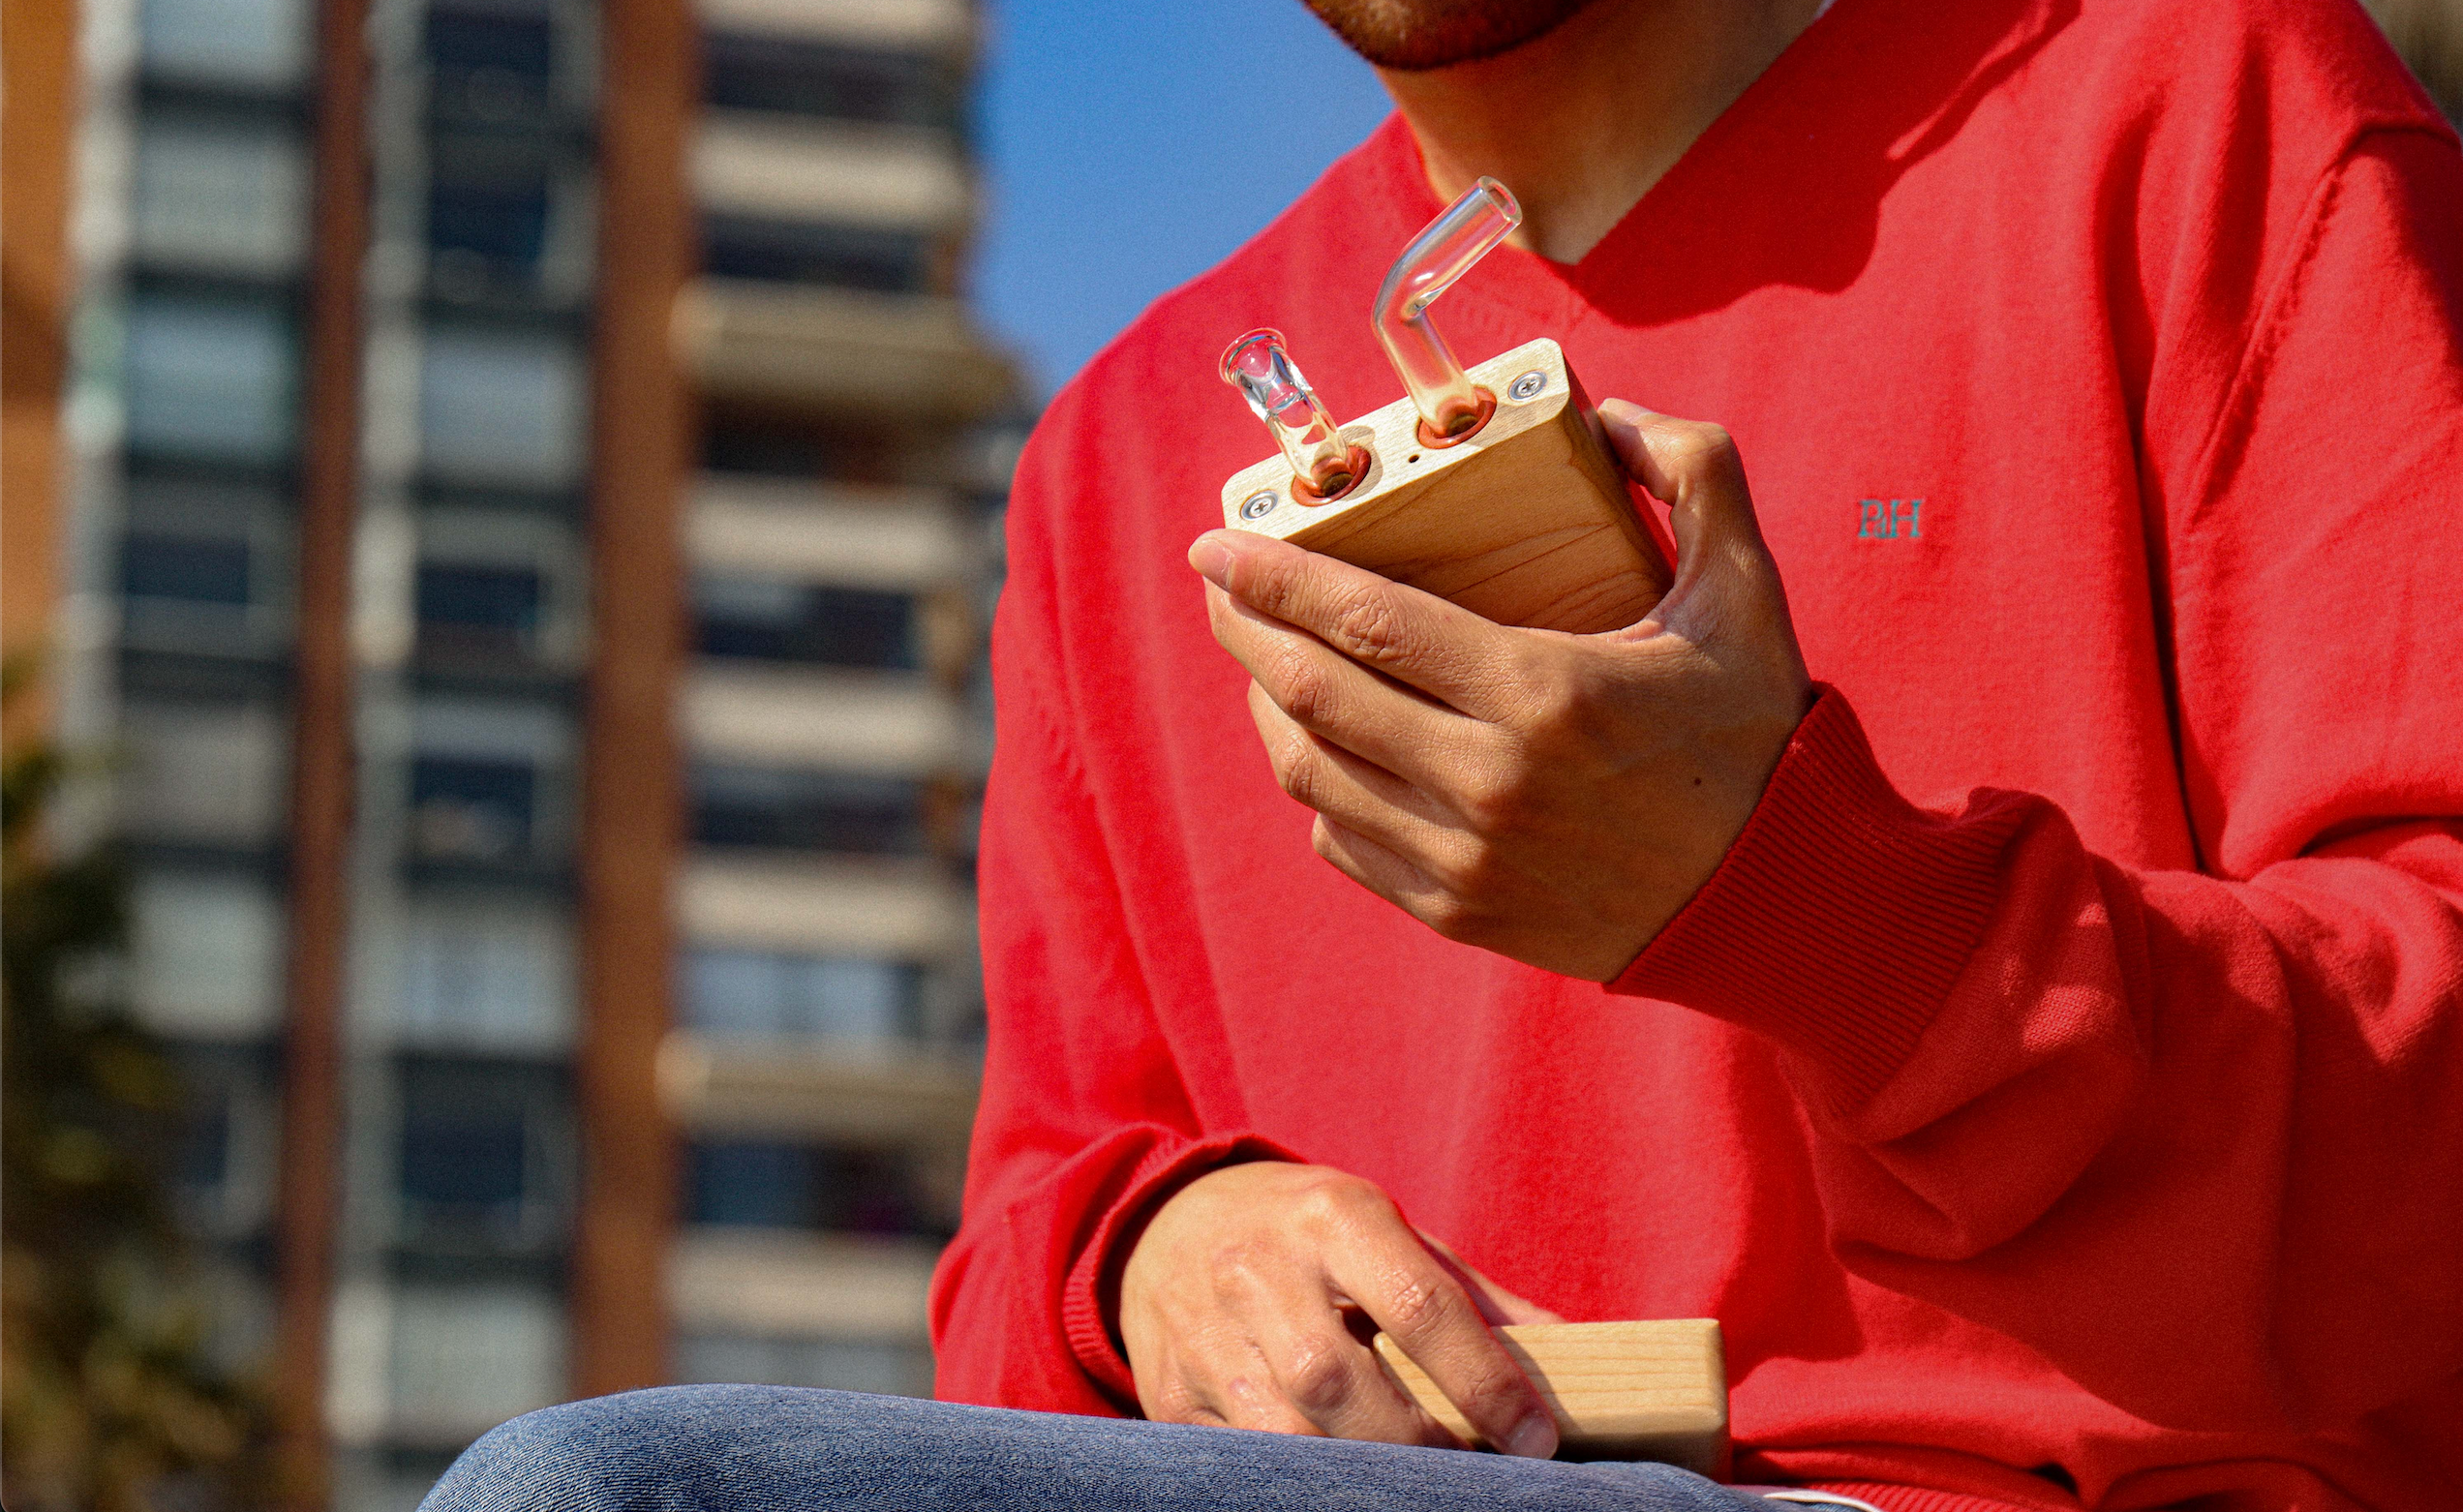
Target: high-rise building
(855,433)
(841,534)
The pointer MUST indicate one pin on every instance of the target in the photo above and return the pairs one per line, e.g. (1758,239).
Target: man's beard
(1414,35)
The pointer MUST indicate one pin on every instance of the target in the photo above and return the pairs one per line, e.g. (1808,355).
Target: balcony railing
(882,724)
(861,1092)
(780,167)
(857,353)
(891,908)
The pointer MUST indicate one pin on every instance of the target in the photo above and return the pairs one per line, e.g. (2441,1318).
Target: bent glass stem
(1466,233)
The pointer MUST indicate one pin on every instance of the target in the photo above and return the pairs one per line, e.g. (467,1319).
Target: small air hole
(1414,457)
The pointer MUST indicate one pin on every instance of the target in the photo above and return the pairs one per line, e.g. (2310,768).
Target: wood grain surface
(1526,523)
(1644,1390)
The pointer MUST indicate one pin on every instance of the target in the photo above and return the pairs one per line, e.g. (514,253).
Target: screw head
(1260,505)
(1527,385)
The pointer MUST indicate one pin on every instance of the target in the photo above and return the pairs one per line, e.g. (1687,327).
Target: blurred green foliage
(108,1401)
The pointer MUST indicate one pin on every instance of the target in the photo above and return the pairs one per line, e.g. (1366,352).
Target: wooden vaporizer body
(1654,1389)
(1526,522)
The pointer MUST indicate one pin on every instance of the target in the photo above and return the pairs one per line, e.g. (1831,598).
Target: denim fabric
(788,1449)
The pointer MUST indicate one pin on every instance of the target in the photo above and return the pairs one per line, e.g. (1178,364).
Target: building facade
(842,536)
(841,533)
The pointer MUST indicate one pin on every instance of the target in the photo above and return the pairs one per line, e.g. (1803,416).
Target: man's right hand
(1250,1299)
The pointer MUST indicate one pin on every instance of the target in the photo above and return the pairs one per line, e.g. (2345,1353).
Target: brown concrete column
(38,115)
(308,1193)
(631,796)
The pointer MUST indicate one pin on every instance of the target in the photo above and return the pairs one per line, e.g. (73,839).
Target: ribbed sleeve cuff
(1840,919)
(1907,1498)
(1165,1170)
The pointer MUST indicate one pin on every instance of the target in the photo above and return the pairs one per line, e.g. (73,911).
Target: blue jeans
(788,1449)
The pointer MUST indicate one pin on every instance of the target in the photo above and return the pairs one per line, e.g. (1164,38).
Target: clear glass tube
(1263,372)
(1470,229)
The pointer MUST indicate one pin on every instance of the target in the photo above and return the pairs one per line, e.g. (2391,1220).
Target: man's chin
(1417,34)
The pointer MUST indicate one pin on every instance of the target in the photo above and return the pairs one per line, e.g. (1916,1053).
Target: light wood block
(1527,523)
(1650,1390)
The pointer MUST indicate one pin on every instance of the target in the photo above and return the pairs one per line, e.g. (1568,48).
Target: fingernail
(1621,410)
(1212,559)
(1535,1437)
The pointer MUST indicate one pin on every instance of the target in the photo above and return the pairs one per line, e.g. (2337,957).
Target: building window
(748,72)
(202,568)
(466,1358)
(767,1186)
(808,810)
(490,67)
(254,44)
(770,1185)
(209,380)
(774,621)
(504,227)
(481,235)
(499,409)
(206,948)
(764,994)
(219,196)
(472,808)
(786,252)
(203,773)
(222,1168)
(489,783)
(483,1157)
(466,1161)
(471,612)
(487,973)
(184,568)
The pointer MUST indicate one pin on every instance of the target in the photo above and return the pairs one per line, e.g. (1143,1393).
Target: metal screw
(1257,506)
(1530,383)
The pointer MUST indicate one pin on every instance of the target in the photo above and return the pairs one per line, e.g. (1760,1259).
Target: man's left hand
(1552,798)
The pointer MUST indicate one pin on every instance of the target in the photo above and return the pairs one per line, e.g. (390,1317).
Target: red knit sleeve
(2197,1136)
(1084,1123)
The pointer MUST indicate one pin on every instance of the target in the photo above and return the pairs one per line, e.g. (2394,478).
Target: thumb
(1691,467)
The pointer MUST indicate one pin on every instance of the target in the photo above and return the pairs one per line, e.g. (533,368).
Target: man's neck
(1581,122)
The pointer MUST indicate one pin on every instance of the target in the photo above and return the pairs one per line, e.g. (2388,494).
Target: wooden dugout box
(1649,1390)
(1526,522)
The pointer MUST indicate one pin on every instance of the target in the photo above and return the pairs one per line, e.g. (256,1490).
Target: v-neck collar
(1554,292)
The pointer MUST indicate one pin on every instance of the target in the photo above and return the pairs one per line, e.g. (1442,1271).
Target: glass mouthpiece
(1466,231)
(1263,371)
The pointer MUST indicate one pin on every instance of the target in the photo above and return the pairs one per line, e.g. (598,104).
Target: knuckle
(1554,710)
(1269,584)
(1701,444)
(1307,693)
(1236,1269)
(1418,1303)
(1451,916)
(1494,1393)
(1323,841)
(1176,1400)
(1473,872)
(1334,1199)
(1319,1379)
(1368,625)
(1490,801)
(1296,766)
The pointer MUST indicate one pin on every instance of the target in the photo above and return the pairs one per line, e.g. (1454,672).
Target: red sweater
(2061,1081)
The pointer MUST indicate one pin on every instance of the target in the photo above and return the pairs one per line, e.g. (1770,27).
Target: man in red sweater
(1992,937)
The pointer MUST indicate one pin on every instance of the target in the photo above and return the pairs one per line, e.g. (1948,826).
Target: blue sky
(1131,144)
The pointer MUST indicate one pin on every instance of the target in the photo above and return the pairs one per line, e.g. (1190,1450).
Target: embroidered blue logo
(1890,519)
